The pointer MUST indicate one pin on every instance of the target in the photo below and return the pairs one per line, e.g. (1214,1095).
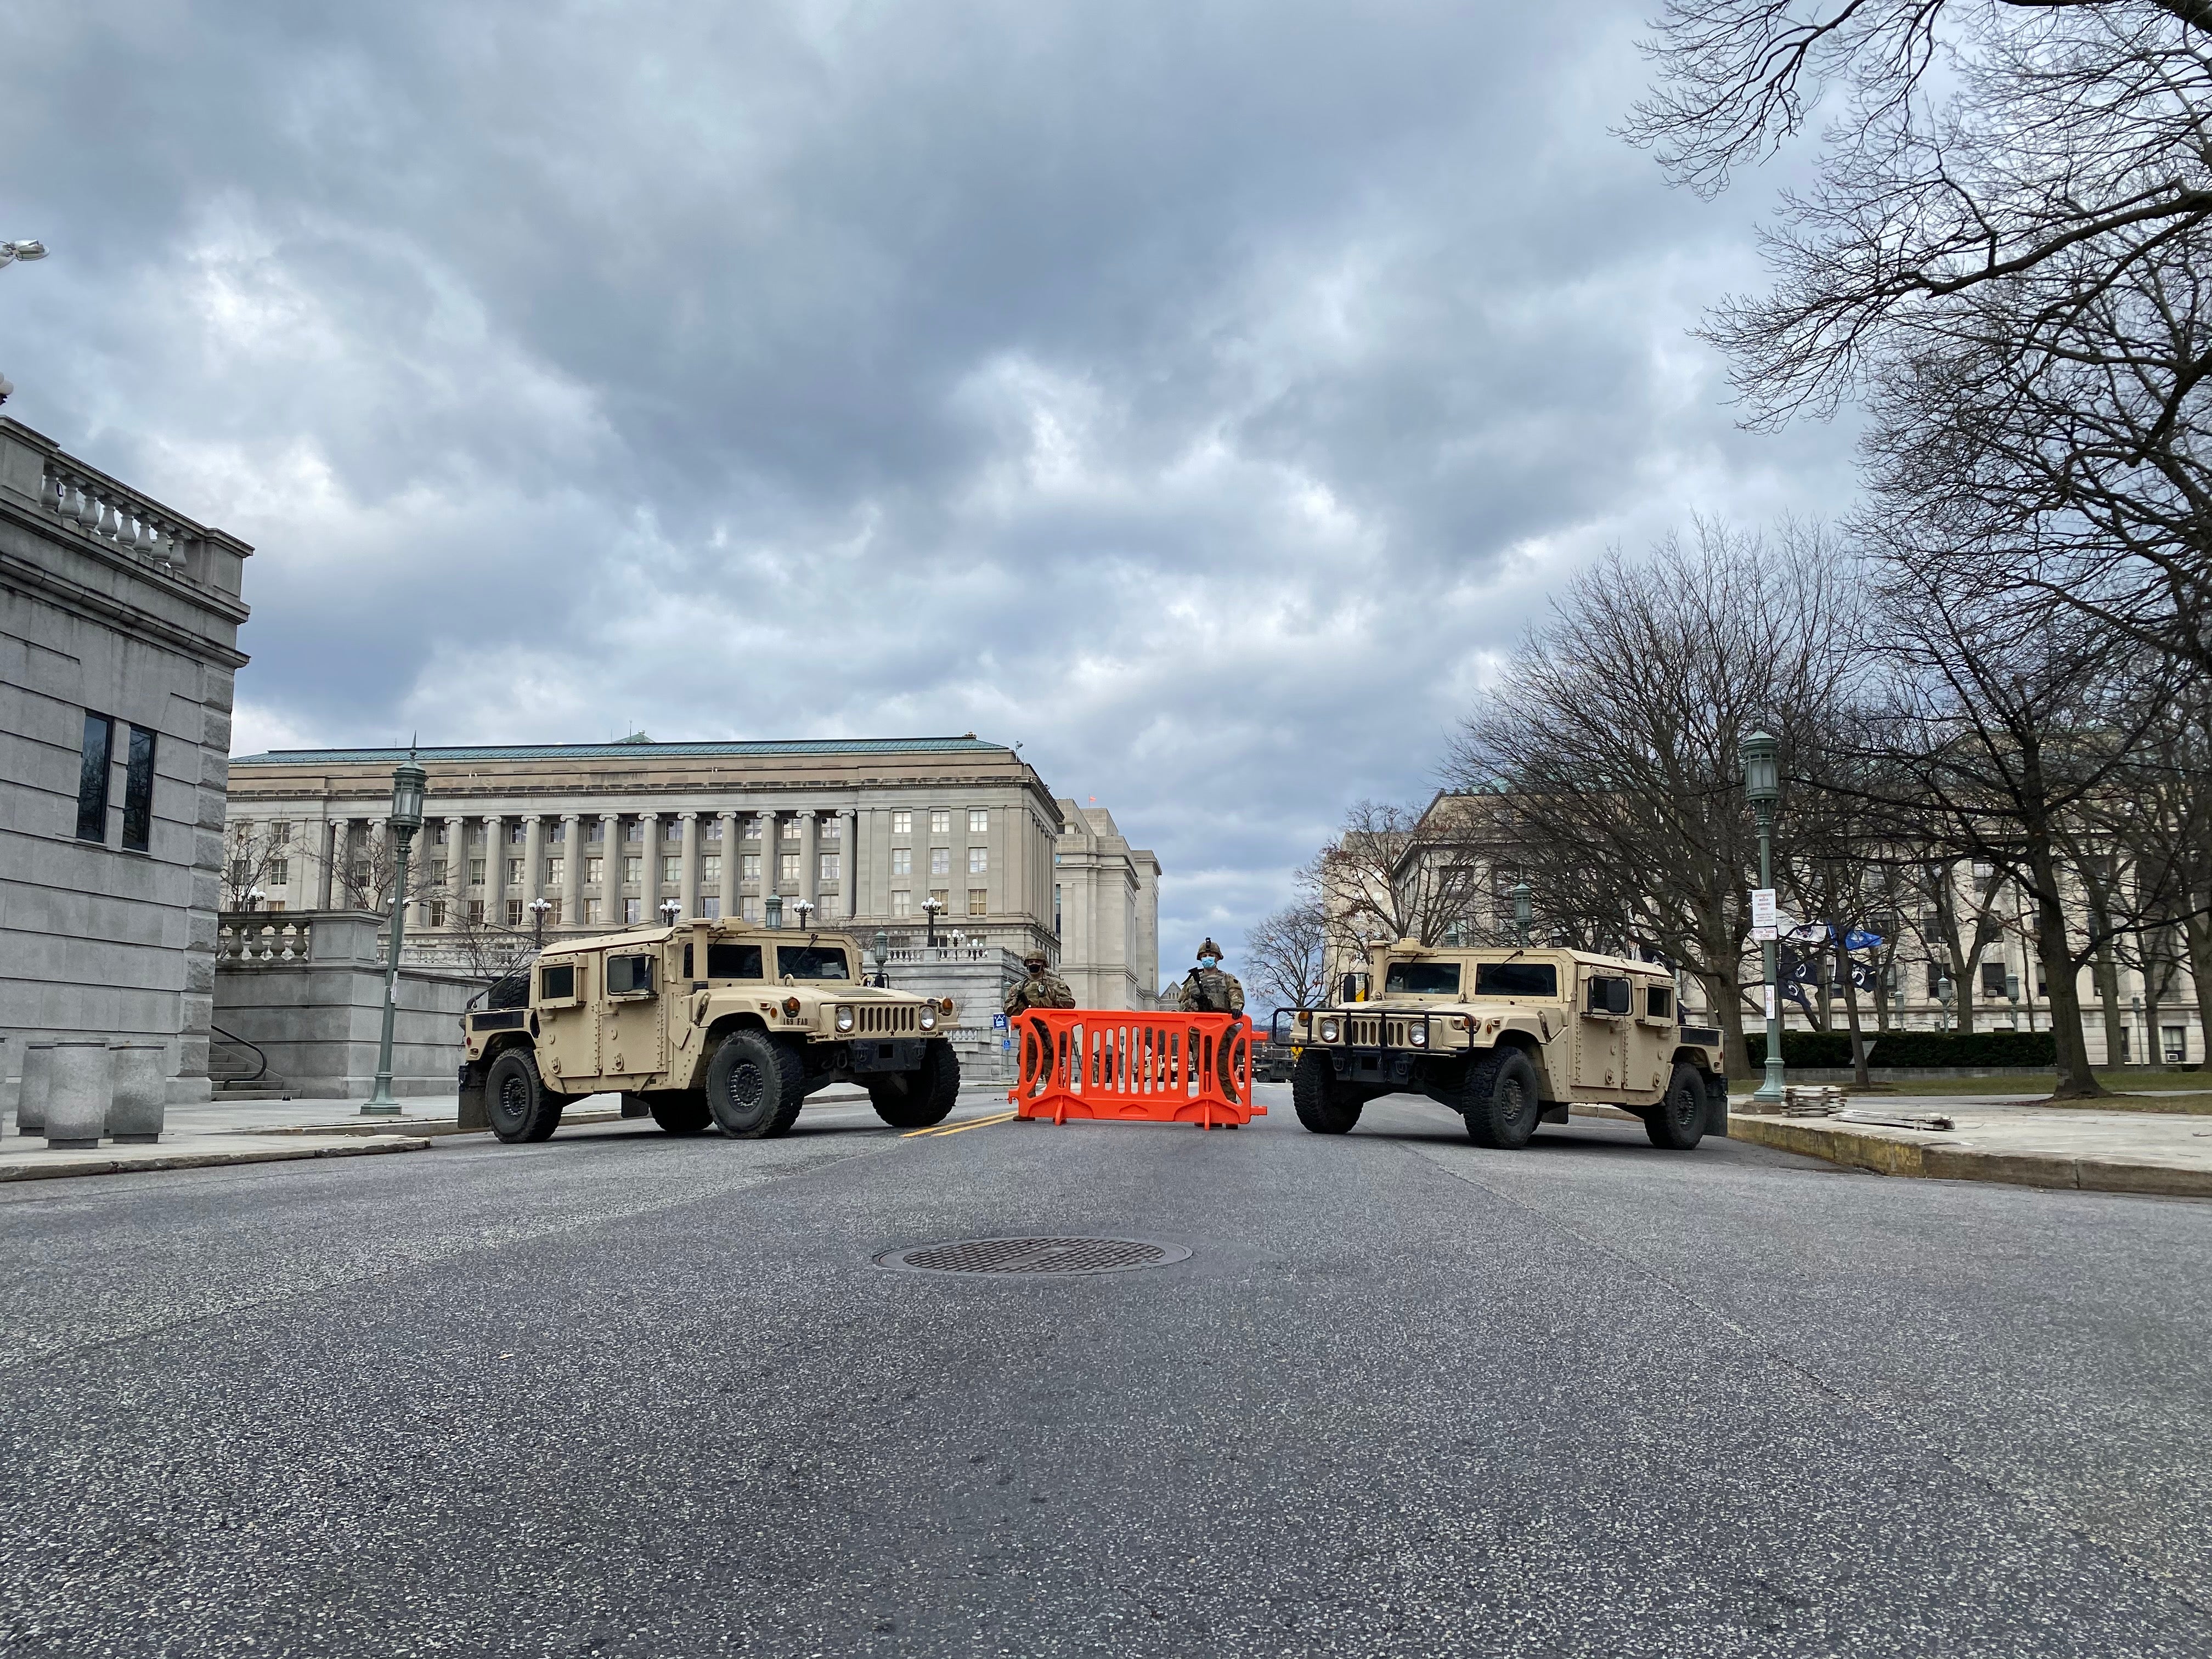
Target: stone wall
(977,978)
(306,988)
(113,605)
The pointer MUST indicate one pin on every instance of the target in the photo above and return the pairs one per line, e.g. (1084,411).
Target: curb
(94,1164)
(426,1127)
(1916,1160)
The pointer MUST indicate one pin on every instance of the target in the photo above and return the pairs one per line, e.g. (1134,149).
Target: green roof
(630,749)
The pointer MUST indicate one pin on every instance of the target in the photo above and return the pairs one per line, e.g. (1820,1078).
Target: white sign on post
(1770,1002)
(1763,915)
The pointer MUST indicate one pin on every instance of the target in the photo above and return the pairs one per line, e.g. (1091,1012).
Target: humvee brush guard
(711,1022)
(1508,1039)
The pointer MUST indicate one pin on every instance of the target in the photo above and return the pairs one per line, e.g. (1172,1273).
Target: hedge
(1832,1051)
(1824,1049)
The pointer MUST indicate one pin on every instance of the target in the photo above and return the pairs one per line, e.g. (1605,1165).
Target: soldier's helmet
(1036,959)
(1209,948)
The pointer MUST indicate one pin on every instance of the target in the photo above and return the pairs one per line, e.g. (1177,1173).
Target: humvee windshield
(1516,979)
(1423,978)
(809,962)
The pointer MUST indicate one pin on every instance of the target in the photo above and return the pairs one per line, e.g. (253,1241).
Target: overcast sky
(1205,395)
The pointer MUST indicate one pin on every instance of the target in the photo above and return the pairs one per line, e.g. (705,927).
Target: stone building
(870,833)
(118,631)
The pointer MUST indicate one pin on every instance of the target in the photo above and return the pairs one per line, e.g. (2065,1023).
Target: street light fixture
(670,910)
(803,909)
(2012,995)
(253,897)
(930,908)
(1762,787)
(1521,912)
(881,952)
(538,908)
(409,783)
(772,907)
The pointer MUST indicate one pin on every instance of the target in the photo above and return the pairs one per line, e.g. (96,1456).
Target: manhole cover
(1033,1255)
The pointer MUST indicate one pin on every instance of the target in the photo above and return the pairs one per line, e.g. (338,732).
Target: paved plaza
(620,1394)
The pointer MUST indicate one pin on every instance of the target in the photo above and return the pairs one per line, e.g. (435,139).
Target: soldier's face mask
(1209,961)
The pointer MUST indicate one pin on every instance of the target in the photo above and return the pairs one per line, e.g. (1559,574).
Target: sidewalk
(1995,1140)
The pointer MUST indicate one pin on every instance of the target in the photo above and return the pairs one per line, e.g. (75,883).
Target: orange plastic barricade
(1146,1068)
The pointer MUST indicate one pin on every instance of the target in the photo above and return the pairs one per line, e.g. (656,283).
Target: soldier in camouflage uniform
(1206,990)
(1042,989)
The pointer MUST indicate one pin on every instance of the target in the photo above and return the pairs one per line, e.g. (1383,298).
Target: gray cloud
(1203,395)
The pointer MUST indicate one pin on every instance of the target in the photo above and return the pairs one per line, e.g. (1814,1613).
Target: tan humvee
(709,1022)
(1508,1039)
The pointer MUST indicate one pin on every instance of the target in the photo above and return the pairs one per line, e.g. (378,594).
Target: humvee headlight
(1418,1034)
(928,1016)
(1330,1030)
(790,1007)
(844,1019)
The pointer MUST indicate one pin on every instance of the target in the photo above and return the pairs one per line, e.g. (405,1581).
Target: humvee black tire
(916,1099)
(683,1113)
(1501,1107)
(1678,1121)
(1321,1106)
(755,1086)
(517,1103)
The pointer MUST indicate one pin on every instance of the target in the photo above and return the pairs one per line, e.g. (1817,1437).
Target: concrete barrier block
(83,1081)
(31,1093)
(139,1093)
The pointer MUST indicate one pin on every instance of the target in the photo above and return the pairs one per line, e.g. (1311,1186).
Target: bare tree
(1609,742)
(250,862)
(1286,953)
(1397,872)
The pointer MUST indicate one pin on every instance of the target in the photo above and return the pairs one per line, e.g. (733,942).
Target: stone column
(456,869)
(494,881)
(849,860)
(327,885)
(688,884)
(732,849)
(572,868)
(533,866)
(648,886)
(808,845)
(771,827)
(610,888)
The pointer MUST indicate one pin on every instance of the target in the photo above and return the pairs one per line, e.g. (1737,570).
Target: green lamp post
(409,781)
(1762,787)
(1521,912)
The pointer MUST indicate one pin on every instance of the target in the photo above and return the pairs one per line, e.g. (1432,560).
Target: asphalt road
(620,1394)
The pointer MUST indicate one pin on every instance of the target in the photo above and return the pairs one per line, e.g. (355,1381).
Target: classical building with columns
(876,834)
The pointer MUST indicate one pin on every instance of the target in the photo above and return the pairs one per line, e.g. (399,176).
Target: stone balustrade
(254,937)
(118,516)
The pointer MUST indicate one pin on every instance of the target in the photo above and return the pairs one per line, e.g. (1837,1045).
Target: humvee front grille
(886,1019)
(1368,1032)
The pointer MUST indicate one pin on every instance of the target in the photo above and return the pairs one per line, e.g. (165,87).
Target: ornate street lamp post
(670,910)
(930,906)
(409,782)
(804,911)
(1943,994)
(881,952)
(2012,995)
(538,907)
(1762,787)
(772,907)
(1521,912)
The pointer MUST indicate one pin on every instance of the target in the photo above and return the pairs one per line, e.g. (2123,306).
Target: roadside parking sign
(999,1022)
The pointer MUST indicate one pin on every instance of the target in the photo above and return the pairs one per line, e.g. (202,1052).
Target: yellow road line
(954,1129)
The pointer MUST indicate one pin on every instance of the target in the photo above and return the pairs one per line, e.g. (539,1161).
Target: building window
(280,835)
(592,911)
(791,828)
(439,834)
(1936,977)
(632,911)
(787,866)
(901,823)
(2175,1037)
(632,830)
(515,913)
(901,902)
(749,909)
(1055,909)
(280,872)
(514,873)
(672,830)
(554,869)
(710,867)
(633,871)
(138,792)
(752,828)
(940,820)
(1993,979)
(597,832)
(979,860)
(437,876)
(979,820)
(672,871)
(713,831)
(437,913)
(749,867)
(92,778)
(518,833)
(829,862)
(902,860)
(595,871)
(833,827)
(475,872)
(553,916)
(978,900)
(710,906)
(274,904)
(475,911)
(943,896)
(940,860)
